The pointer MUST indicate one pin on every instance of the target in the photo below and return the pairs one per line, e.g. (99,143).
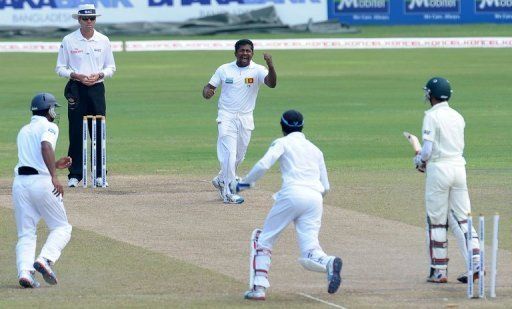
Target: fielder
(240,81)
(446,192)
(37,193)
(299,201)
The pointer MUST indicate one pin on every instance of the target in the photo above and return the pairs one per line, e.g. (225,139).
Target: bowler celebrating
(240,81)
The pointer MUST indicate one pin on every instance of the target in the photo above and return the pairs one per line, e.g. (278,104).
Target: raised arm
(271,78)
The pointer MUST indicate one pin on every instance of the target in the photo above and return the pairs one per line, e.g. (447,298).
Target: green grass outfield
(356,104)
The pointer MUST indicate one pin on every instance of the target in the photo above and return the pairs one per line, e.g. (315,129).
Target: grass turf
(356,104)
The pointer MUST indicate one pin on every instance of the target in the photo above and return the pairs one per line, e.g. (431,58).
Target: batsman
(446,192)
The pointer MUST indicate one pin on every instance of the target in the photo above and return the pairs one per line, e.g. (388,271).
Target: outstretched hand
(237,185)
(63,163)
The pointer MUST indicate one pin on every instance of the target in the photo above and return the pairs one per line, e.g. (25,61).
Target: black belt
(27,170)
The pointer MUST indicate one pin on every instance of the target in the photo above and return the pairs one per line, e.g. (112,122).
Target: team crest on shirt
(249,80)
(229,80)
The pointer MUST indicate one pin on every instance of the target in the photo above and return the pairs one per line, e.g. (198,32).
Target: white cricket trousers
(33,199)
(447,204)
(303,207)
(232,144)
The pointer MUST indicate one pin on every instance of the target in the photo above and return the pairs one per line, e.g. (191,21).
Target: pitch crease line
(321,300)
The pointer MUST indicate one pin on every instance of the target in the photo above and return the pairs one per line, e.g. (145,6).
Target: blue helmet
(439,88)
(44,101)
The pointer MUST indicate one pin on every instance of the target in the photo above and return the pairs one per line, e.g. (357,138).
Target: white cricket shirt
(29,143)
(82,56)
(239,86)
(444,127)
(300,161)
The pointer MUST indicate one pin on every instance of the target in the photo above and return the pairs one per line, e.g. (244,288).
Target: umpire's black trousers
(83,100)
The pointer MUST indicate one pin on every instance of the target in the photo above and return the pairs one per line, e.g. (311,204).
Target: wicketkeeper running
(299,200)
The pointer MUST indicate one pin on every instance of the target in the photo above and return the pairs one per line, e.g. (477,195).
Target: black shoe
(333,275)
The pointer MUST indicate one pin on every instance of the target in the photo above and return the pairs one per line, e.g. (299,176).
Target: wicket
(494,254)
(94,159)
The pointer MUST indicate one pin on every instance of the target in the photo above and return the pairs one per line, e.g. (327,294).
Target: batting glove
(419,164)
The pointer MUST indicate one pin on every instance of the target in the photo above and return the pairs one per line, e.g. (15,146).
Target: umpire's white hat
(85,10)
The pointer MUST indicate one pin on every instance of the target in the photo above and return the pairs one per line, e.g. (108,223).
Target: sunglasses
(85,18)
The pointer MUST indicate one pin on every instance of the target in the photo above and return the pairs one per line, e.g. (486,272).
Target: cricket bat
(413,140)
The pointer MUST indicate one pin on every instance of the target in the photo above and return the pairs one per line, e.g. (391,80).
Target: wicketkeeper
(300,201)
(446,192)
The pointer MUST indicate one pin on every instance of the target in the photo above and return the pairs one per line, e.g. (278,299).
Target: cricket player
(300,199)
(240,81)
(446,192)
(37,193)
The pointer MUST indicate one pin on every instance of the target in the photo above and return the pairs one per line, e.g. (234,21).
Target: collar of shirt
(437,106)
(38,118)
(80,37)
(297,134)
(250,66)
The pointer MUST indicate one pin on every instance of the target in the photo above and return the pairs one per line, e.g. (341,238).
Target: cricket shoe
(255,294)
(334,275)
(231,198)
(73,182)
(27,280)
(219,185)
(99,182)
(476,269)
(44,266)
(438,276)
(464,277)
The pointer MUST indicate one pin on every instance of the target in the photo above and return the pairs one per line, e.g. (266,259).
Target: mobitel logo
(432,6)
(361,6)
(493,6)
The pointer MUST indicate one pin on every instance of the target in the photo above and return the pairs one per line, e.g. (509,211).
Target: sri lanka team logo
(361,6)
(493,6)
(432,6)
(249,80)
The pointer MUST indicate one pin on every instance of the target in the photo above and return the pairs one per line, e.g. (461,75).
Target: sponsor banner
(39,13)
(281,44)
(289,44)
(420,11)
(43,47)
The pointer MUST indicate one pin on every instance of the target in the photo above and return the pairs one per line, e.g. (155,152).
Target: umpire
(86,59)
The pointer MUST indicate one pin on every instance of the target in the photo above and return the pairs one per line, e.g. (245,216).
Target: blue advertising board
(395,12)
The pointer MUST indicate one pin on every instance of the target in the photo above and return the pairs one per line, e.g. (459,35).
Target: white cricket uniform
(85,56)
(33,198)
(446,192)
(300,199)
(239,90)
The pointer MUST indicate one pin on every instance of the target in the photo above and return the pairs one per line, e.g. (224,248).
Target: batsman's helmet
(44,101)
(292,121)
(439,88)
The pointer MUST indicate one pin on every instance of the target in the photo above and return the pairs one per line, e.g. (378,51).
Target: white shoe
(256,294)
(219,185)
(233,199)
(438,276)
(27,280)
(73,182)
(44,266)
(99,182)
